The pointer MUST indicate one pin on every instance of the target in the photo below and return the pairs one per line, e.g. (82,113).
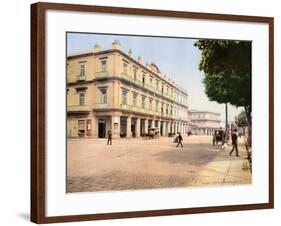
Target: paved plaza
(143,164)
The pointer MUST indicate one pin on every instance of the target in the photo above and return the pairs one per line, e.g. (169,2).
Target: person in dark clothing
(109,138)
(234,138)
(180,140)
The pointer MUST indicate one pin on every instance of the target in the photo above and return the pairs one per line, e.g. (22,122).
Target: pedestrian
(234,138)
(109,138)
(180,140)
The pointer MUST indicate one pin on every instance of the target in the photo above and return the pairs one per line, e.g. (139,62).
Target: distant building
(203,122)
(110,90)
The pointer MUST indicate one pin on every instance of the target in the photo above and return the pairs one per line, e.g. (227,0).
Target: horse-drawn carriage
(218,136)
(153,133)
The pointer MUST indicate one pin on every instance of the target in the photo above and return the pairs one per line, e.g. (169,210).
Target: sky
(177,58)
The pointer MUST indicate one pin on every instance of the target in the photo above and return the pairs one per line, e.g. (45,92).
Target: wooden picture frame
(38,108)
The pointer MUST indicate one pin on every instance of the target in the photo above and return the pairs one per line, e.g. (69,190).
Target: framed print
(144,112)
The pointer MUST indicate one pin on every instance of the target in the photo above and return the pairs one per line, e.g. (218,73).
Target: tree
(241,120)
(227,68)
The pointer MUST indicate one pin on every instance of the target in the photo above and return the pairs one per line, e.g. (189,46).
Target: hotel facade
(204,122)
(110,90)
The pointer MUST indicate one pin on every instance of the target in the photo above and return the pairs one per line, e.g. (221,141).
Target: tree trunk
(248,113)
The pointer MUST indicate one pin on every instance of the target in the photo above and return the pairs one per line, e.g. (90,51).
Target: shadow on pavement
(192,154)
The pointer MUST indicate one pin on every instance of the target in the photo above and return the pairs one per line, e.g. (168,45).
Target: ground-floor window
(81,128)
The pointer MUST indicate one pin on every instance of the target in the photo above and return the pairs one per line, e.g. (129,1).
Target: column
(145,125)
(164,129)
(152,123)
(95,126)
(138,121)
(115,126)
(115,95)
(129,132)
(168,125)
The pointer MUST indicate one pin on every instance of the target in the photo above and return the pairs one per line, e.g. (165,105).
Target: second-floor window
(103,65)
(134,99)
(150,103)
(143,102)
(156,106)
(124,96)
(151,81)
(103,96)
(157,85)
(82,70)
(135,74)
(81,98)
(167,109)
(125,68)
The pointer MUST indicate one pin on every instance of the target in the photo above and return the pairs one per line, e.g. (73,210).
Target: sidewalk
(225,169)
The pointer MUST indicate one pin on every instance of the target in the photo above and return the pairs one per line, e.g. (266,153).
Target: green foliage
(227,68)
(241,120)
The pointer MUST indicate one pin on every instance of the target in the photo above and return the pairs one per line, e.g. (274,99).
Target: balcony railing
(101,74)
(80,77)
(100,105)
(79,108)
(126,76)
(142,110)
(147,86)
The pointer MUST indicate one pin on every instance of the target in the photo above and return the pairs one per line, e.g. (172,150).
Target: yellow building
(110,90)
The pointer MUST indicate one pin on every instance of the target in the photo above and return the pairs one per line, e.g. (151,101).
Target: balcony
(99,106)
(139,109)
(102,74)
(80,78)
(127,77)
(76,109)
(147,86)
(127,107)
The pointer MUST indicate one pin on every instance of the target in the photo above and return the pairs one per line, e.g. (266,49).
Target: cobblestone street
(142,164)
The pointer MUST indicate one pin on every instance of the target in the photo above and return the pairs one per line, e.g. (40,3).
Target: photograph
(157,112)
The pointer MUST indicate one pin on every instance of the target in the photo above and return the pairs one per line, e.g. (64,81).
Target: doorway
(102,128)
(133,127)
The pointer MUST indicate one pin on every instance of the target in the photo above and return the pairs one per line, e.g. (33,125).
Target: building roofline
(87,54)
(201,111)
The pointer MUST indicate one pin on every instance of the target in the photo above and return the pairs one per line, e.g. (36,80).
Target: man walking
(234,138)
(109,138)
(180,140)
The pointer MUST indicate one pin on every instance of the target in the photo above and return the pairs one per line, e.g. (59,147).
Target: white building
(203,122)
